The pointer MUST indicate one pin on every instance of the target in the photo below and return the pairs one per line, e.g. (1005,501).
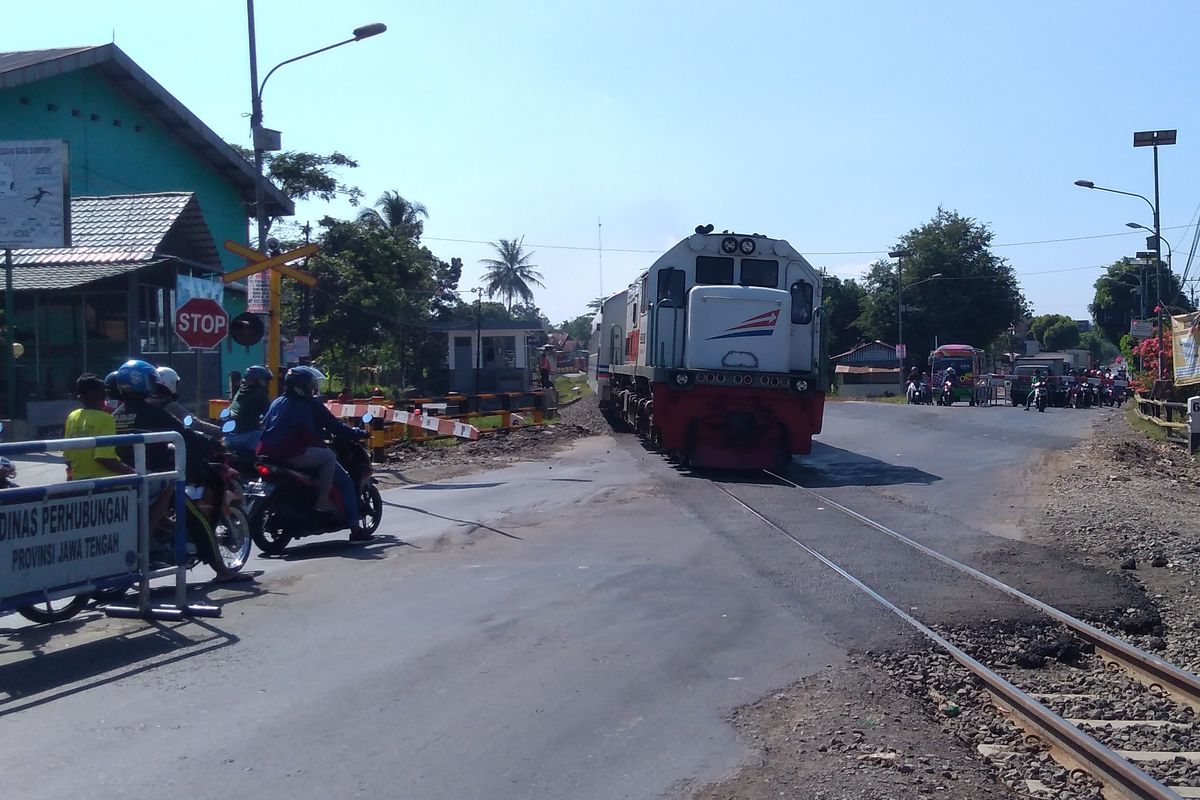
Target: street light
(1170,250)
(1149,139)
(264,140)
(899,255)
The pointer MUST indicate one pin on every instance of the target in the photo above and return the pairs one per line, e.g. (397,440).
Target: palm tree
(396,212)
(510,275)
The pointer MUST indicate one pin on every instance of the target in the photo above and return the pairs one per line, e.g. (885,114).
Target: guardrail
(1172,418)
(78,537)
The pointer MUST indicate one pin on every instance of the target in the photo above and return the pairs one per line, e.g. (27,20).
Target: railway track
(1087,716)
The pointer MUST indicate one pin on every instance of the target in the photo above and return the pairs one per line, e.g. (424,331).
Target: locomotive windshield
(714,270)
(760,272)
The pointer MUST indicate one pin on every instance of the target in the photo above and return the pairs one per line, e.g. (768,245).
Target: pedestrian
(544,366)
(85,463)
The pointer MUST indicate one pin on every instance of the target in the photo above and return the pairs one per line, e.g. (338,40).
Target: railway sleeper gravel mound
(1046,660)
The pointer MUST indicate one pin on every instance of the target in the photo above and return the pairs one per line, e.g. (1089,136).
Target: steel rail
(1082,750)
(1148,668)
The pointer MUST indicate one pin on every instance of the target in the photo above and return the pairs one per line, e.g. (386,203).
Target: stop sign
(201,322)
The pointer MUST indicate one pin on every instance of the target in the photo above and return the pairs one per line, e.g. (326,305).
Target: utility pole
(478,339)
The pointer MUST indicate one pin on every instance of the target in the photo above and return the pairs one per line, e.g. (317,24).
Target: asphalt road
(571,628)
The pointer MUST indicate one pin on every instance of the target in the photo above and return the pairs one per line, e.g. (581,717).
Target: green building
(179,182)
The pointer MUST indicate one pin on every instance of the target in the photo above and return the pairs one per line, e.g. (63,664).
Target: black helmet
(303,380)
(258,374)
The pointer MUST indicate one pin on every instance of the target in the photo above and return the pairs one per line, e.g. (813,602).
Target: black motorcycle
(282,503)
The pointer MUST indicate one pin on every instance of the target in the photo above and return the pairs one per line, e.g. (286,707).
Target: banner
(63,541)
(1185,348)
(189,288)
(35,194)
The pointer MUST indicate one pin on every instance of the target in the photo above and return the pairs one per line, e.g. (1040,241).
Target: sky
(836,126)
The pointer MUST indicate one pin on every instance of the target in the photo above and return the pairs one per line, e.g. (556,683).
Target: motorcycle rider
(138,413)
(166,394)
(294,432)
(248,408)
(1033,384)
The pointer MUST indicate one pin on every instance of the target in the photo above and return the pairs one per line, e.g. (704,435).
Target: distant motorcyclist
(248,408)
(1033,384)
(294,432)
(166,394)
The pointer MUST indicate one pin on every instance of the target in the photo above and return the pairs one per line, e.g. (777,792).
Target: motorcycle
(218,528)
(1039,396)
(947,398)
(913,393)
(926,393)
(282,502)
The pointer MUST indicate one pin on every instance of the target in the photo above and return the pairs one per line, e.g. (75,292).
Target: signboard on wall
(187,288)
(63,541)
(35,194)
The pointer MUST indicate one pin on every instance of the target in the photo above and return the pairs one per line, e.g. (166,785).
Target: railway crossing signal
(278,265)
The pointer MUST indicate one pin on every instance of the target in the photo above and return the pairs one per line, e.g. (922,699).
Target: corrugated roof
(42,278)
(118,234)
(27,66)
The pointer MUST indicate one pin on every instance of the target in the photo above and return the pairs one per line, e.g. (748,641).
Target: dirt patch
(1127,504)
(410,462)
(851,733)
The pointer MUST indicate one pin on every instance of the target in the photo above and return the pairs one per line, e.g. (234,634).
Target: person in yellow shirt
(91,420)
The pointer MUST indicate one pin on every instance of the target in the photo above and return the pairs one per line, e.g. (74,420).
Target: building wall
(138,155)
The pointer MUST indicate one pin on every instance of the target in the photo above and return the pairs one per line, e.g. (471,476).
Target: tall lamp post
(1149,139)
(264,140)
(900,255)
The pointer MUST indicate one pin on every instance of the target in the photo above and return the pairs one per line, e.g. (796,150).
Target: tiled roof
(27,66)
(122,233)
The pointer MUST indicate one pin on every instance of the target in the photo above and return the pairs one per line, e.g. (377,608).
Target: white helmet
(168,379)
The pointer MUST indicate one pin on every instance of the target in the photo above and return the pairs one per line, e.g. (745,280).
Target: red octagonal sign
(201,323)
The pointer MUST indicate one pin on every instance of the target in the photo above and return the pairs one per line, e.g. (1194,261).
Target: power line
(593,249)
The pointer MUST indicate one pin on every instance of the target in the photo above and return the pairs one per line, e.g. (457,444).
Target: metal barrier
(34,513)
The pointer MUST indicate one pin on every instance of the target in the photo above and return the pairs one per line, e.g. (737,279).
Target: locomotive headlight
(800,384)
(747,247)
(729,245)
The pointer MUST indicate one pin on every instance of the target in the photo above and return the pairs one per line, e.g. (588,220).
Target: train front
(747,391)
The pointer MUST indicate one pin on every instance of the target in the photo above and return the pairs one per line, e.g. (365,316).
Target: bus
(967,362)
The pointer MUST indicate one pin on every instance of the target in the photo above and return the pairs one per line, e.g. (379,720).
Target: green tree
(974,300)
(580,328)
(1118,297)
(1040,324)
(1061,335)
(378,289)
(304,176)
(843,302)
(393,211)
(510,275)
(1101,349)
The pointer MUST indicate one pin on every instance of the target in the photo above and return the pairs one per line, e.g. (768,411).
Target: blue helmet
(258,374)
(136,377)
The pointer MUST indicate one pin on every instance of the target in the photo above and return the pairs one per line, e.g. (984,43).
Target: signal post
(278,266)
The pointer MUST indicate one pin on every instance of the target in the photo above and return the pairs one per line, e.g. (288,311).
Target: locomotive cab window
(671,283)
(760,272)
(714,270)
(802,302)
